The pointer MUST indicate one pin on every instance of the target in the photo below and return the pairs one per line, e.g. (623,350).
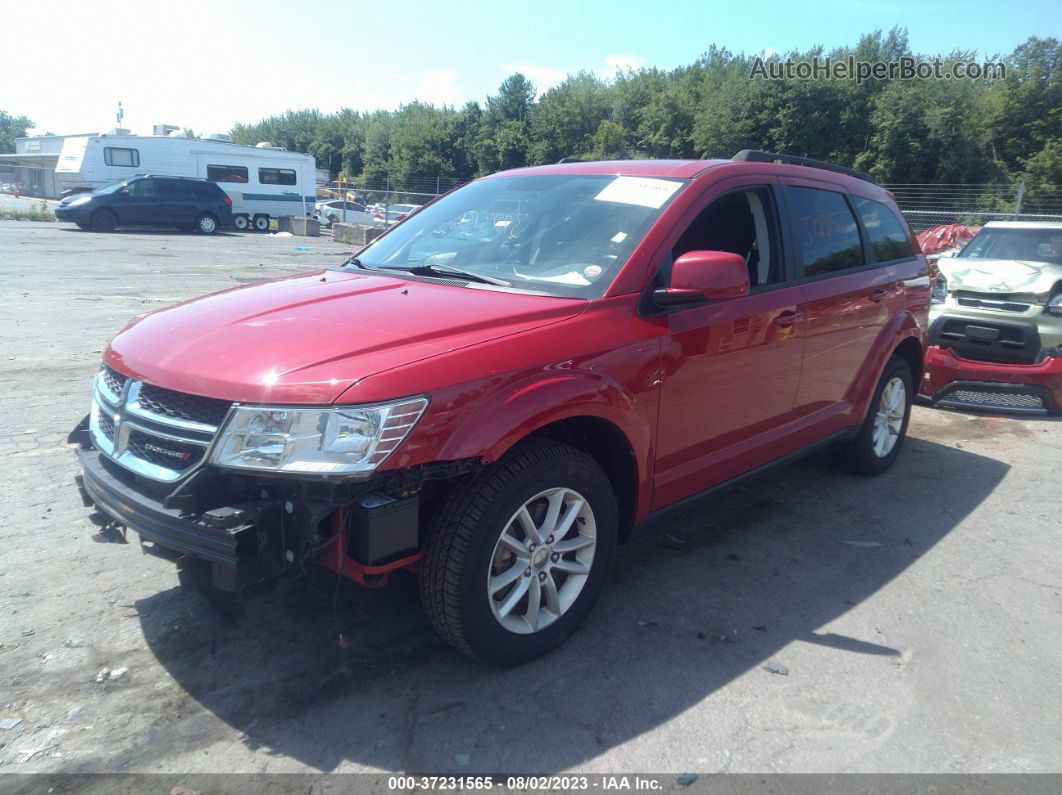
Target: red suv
(495,392)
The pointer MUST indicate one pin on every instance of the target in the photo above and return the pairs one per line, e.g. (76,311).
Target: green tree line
(901,131)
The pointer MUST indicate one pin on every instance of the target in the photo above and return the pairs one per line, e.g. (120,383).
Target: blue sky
(206,65)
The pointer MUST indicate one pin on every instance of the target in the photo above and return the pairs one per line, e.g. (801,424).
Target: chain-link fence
(383,201)
(926,206)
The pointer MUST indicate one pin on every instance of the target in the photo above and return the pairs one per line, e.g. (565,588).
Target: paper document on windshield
(643,191)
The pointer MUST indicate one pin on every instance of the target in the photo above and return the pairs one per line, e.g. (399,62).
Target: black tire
(859,455)
(206,224)
(103,221)
(241,222)
(260,223)
(460,550)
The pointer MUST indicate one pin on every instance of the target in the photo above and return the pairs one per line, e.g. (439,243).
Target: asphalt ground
(812,621)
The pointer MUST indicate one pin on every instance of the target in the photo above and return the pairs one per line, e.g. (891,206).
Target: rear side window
(887,236)
(276,176)
(227,173)
(121,156)
(204,190)
(171,189)
(825,231)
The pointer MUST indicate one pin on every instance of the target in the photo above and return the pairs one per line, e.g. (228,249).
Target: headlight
(337,441)
(82,200)
(1054,306)
(940,290)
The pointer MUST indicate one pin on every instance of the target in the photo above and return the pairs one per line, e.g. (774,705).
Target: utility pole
(1021,194)
(120,114)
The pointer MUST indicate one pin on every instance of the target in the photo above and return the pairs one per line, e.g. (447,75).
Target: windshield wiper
(433,269)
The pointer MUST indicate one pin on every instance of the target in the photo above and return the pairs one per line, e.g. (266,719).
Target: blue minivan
(184,202)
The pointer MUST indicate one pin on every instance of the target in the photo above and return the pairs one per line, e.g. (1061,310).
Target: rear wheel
(879,441)
(103,221)
(516,559)
(241,222)
(261,223)
(206,224)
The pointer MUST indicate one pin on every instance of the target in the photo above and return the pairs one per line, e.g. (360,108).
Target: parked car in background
(186,203)
(496,405)
(391,214)
(329,212)
(263,181)
(996,332)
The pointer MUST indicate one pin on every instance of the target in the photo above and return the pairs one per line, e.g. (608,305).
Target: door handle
(787,318)
(879,295)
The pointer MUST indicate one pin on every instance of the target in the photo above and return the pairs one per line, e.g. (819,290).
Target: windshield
(114,186)
(1037,245)
(565,235)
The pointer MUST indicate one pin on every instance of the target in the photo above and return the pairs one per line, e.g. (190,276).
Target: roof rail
(756,156)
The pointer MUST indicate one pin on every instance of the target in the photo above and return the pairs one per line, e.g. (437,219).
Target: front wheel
(878,442)
(103,221)
(516,559)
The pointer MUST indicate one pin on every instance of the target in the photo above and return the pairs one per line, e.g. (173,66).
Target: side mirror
(123,192)
(705,276)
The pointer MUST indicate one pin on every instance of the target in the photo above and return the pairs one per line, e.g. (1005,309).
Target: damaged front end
(995,336)
(146,458)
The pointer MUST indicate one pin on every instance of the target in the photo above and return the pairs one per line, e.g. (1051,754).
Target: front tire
(880,438)
(103,221)
(516,559)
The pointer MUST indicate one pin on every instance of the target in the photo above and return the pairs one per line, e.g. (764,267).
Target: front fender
(526,406)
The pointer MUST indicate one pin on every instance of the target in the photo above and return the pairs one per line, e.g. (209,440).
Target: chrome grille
(113,382)
(155,432)
(181,406)
(164,452)
(107,426)
(1001,306)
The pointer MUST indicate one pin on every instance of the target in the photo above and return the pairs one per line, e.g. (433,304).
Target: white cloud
(620,62)
(543,77)
(438,87)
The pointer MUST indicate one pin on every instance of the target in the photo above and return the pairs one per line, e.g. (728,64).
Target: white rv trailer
(263,181)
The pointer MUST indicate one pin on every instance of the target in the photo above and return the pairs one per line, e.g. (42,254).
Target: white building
(31,169)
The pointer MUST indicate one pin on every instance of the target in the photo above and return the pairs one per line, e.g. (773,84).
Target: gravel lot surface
(811,622)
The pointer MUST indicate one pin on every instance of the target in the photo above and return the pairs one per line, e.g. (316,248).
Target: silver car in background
(346,212)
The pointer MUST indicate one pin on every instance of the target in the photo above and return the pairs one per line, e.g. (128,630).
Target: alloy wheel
(888,422)
(542,560)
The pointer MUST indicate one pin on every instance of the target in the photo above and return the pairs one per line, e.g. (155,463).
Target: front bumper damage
(250,529)
(957,382)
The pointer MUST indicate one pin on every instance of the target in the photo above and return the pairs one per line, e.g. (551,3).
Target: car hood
(308,338)
(999,275)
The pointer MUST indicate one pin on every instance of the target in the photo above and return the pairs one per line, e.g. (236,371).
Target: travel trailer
(263,181)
